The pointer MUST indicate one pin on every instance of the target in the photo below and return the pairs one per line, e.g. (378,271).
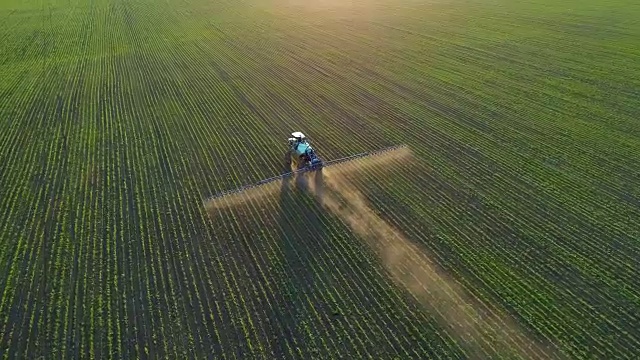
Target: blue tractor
(301,154)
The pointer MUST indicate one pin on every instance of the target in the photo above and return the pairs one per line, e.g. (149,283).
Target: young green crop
(119,118)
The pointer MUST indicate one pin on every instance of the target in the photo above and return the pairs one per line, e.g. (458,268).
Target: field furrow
(505,227)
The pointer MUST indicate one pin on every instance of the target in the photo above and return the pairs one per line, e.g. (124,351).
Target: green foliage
(119,117)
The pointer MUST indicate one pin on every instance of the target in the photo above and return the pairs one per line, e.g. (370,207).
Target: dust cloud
(394,156)
(246,196)
(482,331)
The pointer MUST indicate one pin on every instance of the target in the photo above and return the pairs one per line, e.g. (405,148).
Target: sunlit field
(507,225)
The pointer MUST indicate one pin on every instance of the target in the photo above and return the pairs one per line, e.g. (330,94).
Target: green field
(510,230)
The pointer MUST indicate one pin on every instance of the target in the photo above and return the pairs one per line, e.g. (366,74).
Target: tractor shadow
(301,233)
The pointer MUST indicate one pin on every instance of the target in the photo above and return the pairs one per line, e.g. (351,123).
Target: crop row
(125,115)
(442,142)
(309,80)
(244,127)
(247,137)
(255,80)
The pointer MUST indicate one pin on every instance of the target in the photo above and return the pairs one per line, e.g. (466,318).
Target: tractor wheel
(287,162)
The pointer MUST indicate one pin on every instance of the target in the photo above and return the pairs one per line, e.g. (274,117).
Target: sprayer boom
(308,169)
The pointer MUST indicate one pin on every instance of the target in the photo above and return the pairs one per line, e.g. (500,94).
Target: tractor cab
(298,142)
(297,138)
